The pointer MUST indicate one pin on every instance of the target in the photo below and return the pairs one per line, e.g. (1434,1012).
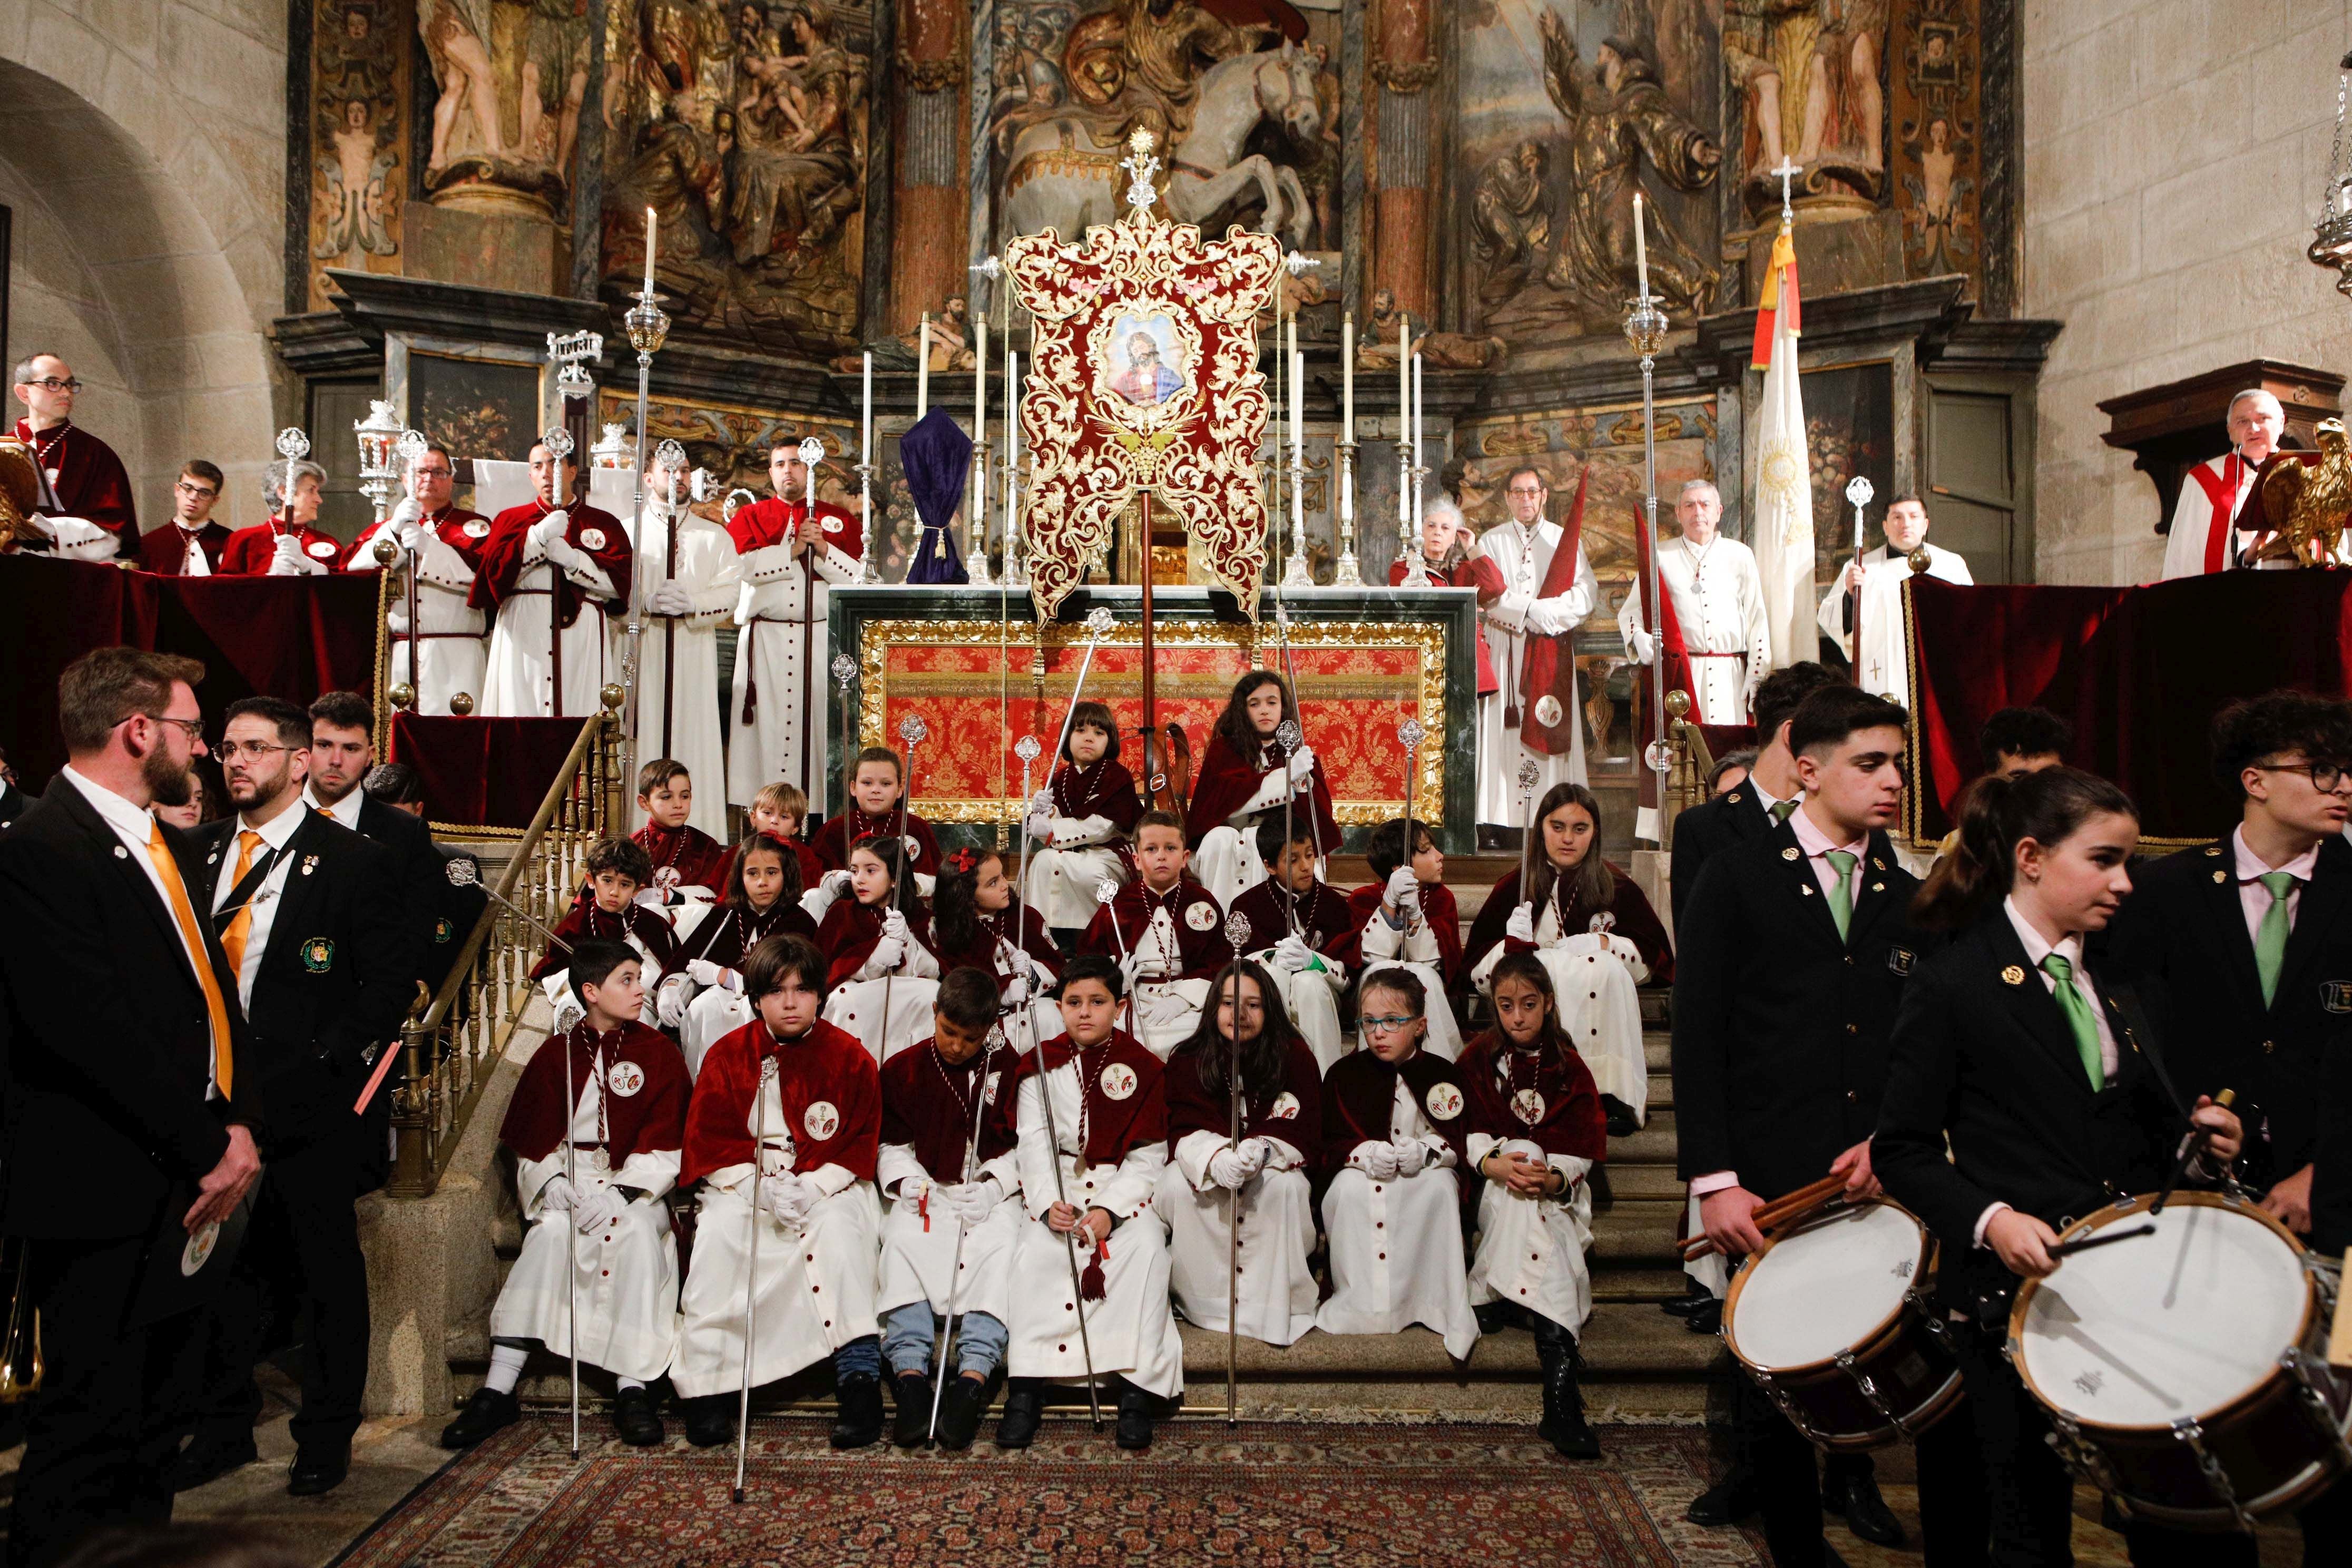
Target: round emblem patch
(1286,1107)
(591,539)
(914,847)
(478,529)
(667,878)
(626,1079)
(1527,1105)
(1444,1101)
(1546,710)
(1201,917)
(317,955)
(443,931)
(321,550)
(1117,1081)
(833,525)
(1602,923)
(988,1089)
(199,1249)
(821,1119)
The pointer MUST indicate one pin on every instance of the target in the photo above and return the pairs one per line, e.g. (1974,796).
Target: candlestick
(649,250)
(1297,575)
(976,515)
(1348,378)
(1420,466)
(865,406)
(923,371)
(1641,250)
(1012,571)
(1345,571)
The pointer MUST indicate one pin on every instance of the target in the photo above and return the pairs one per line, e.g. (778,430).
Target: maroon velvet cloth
(2139,672)
(279,637)
(489,773)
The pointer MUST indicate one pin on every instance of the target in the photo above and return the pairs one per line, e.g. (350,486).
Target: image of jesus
(1146,382)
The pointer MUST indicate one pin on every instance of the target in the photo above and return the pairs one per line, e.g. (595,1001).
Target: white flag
(1783,536)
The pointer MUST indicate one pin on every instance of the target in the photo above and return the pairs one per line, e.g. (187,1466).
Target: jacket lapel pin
(1789,854)
(1878,887)
(120,853)
(2220,877)
(2014,975)
(310,864)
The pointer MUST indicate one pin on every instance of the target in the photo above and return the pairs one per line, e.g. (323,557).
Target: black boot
(485,1412)
(1619,1116)
(710,1420)
(1727,1501)
(218,1449)
(965,1403)
(913,1392)
(1548,1356)
(1849,1486)
(1564,1403)
(637,1418)
(1025,1407)
(1135,1412)
(857,1411)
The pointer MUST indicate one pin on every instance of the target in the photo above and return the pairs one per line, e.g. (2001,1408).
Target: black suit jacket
(1705,830)
(1780,1029)
(336,979)
(109,1039)
(1983,1056)
(2184,927)
(419,870)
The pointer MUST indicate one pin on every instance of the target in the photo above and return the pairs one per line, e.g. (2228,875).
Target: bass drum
(1831,1322)
(2186,1371)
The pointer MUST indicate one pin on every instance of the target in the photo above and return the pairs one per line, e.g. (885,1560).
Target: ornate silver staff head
(700,484)
(1528,774)
(463,873)
(737,499)
(1285,734)
(1027,749)
(1099,620)
(1859,489)
(843,667)
(1237,930)
(557,442)
(292,444)
(1106,889)
(411,446)
(1298,265)
(987,266)
(1411,734)
(912,730)
(811,450)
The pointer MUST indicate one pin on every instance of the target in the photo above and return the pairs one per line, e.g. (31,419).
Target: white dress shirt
(2255,899)
(193,563)
(275,833)
(345,810)
(1817,845)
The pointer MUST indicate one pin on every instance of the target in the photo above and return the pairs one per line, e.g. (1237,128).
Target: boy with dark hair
(190,546)
(1299,930)
(1407,919)
(876,781)
(682,855)
(948,1239)
(606,907)
(1166,934)
(591,1177)
(782,1134)
(1752,809)
(2025,741)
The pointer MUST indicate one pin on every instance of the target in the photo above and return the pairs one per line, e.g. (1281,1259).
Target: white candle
(1404,374)
(649,250)
(1298,443)
(865,438)
(980,383)
(1011,461)
(1348,378)
(923,370)
(1296,365)
(1416,440)
(1641,249)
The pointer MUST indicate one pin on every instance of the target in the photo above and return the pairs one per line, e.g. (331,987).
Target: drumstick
(2189,1143)
(2339,1334)
(1779,1210)
(2068,1249)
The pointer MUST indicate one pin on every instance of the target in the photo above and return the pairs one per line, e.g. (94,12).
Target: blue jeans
(907,1339)
(859,1358)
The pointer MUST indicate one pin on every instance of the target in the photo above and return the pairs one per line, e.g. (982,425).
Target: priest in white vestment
(2213,493)
(781,680)
(1521,547)
(692,579)
(1718,600)
(450,644)
(553,571)
(1882,663)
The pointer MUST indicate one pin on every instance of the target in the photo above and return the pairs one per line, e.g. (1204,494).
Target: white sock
(506,1368)
(628,1382)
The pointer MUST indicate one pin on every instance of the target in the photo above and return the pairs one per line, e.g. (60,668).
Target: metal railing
(452,1048)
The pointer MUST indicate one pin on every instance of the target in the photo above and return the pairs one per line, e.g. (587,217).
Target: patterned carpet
(1271,1495)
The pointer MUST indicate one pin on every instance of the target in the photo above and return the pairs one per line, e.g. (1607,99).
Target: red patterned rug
(1274,1494)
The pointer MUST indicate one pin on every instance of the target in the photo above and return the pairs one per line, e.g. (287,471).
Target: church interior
(1430,261)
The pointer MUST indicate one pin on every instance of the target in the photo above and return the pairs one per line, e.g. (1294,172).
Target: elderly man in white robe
(692,579)
(449,648)
(1718,600)
(1521,548)
(2214,494)
(1882,662)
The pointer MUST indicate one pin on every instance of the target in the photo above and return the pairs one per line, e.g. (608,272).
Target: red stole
(501,569)
(448,526)
(993,930)
(1200,949)
(1632,915)
(693,854)
(164,550)
(1479,574)
(841,833)
(585,918)
(249,551)
(90,482)
(772,521)
(1550,667)
(727,935)
(831,1092)
(1102,788)
(1325,924)
(1116,1123)
(649,1116)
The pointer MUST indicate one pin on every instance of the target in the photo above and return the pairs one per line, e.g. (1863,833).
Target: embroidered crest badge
(1527,1105)
(317,955)
(1444,1101)
(591,539)
(1286,1107)
(1201,917)
(1117,1081)
(625,1079)
(821,1119)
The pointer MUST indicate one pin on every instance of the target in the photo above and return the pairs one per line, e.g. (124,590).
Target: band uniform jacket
(104,1083)
(2185,925)
(1704,830)
(336,979)
(1780,1029)
(424,877)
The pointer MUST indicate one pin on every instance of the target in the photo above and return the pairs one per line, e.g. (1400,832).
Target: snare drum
(2186,1371)
(1830,1319)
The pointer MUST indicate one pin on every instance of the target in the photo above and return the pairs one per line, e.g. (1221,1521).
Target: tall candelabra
(1347,572)
(648,328)
(1646,329)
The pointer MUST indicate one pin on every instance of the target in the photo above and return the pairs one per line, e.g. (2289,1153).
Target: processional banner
(1143,379)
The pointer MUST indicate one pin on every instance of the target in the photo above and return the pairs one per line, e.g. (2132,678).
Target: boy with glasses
(190,546)
(85,506)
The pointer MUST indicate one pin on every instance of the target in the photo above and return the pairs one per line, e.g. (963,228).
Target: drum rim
(1878,1331)
(2130,1209)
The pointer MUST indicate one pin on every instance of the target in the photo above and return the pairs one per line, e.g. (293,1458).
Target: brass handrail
(451,1045)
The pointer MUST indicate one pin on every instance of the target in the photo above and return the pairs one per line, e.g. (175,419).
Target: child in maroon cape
(779,810)
(1246,775)
(1407,918)
(701,994)
(683,856)
(879,943)
(977,920)
(1166,934)
(1298,928)
(606,907)
(1082,823)
(875,787)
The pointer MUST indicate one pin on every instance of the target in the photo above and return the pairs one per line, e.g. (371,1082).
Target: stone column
(1403,68)
(930,203)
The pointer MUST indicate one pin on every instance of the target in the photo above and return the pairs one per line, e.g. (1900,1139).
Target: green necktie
(2269,938)
(2078,1017)
(1780,810)
(1841,891)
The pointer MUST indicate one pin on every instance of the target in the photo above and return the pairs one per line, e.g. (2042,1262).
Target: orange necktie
(215,1005)
(240,922)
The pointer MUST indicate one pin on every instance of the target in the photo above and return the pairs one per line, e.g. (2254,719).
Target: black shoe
(211,1454)
(1134,1417)
(1620,1117)
(485,1411)
(1855,1494)
(710,1420)
(637,1418)
(857,1419)
(1728,1502)
(965,1402)
(318,1471)
(1684,1306)
(913,1392)
(1707,1319)
(1564,1426)
(1024,1409)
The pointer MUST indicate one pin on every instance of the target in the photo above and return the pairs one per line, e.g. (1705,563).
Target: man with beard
(309,916)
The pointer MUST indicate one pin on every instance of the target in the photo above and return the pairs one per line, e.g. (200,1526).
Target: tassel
(1090,1281)
(750,701)
(924,1209)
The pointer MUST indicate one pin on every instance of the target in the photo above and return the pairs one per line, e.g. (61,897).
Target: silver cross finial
(558,441)
(812,451)
(1789,170)
(1409,734)
(292,444)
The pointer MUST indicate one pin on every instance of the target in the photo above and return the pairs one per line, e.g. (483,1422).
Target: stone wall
(142,151)
(2174,156)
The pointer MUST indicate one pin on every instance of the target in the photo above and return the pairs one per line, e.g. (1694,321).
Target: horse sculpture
(1058,180)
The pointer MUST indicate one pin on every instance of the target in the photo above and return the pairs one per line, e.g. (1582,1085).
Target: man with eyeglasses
(445,542)
(85,507)
(190,546)
(1521,547)
(552,570)
(290,544)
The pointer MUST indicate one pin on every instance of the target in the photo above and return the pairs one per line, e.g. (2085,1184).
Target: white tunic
(451,651)
(1311,998)
(920,1261)
(783,647)
(518,681)
(1523,558)
(1593,975)
(712,576)
(2193,521)
(1396,1244)
(1063,874)
(1277,1231)
(1884,668)
(1414,947)
(624,1274)
(815,1281)
(1131,1330)
(1531,1250)
(907,989)
(1718,600)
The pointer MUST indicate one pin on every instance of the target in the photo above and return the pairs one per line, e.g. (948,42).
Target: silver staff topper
(1099,620)
(1858,491)
(912,730)
(1285,734)
(1411,734)
(292,444)
(1027,749)
(558,441)
(1528,774)
(1237,930)
(1106,890)
(843,667)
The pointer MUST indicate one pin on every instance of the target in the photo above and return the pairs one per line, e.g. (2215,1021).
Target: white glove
(598,1209)
(1378,1161)
(669,1002)
(1042,803)
(894,923)
(1544,618)
(1302,765)
(49,528)
(911,1190)
(787,1198)
(837,884)
(557,1193)
(1411,1154)
(1016,990)
(407,509)
(1039,826)
(554,525)
(1522,923)
(568,1011)
(1293,955)
(1254,1153)
(1404,889)
(649,898)
(669,599)
(972,1201)
(286,558)
(1229,1170)
(410,536)
(888,953)
(565,556)
(397,620)
(702,972)
(1645,648)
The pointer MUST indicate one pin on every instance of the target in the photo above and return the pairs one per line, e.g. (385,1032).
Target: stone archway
(148,234)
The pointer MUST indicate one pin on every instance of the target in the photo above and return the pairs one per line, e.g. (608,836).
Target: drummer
(2051,1087)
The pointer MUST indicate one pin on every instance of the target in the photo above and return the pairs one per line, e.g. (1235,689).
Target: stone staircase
(1642,1365)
